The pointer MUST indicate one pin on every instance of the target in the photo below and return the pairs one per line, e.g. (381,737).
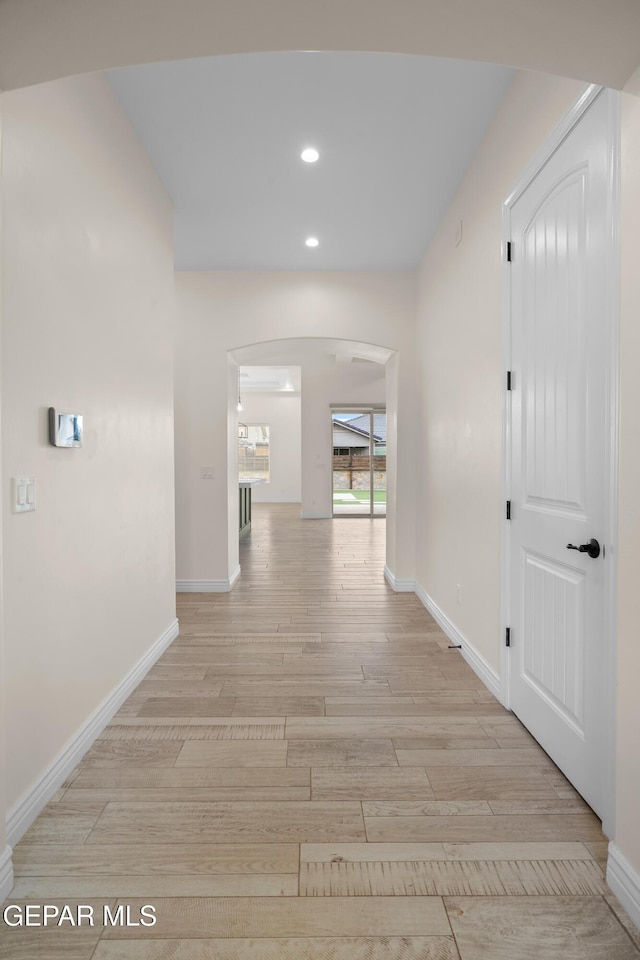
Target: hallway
(309,773)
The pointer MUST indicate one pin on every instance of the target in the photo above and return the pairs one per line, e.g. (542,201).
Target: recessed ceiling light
(312,241)
(310,155)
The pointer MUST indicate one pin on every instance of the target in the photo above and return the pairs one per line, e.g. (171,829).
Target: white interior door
(559,450)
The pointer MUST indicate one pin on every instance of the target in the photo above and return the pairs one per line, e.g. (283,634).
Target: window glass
(253,451)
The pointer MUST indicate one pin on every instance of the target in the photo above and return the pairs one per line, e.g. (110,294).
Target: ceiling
(260,379)
(395,135)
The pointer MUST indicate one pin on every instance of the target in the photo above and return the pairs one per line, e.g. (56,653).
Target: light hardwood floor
(309,773)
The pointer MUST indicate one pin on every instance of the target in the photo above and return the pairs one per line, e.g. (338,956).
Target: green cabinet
(245,510)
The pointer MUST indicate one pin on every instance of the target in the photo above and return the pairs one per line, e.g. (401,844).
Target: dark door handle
(592,548)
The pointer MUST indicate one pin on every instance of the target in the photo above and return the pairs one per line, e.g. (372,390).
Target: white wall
(6,868)
(627,836)
(88,287)
(222,311)
(459,344)
(283,414)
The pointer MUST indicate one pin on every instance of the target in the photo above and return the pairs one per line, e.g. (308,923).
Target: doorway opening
(359,462)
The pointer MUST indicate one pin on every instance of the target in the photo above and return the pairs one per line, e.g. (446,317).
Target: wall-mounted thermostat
(65,429)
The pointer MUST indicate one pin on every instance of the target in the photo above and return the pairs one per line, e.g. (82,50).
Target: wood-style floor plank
(433,878)
(240,822)
(529,928)
(188,707)
(233,753)
(158,886)
(489,783)
(315,687)
(118,753)
(369,783)
(187,778)
(426,808)
(524,757)
(289,948)
(209,728)
(398,707)
(65,822)
(332,728)
(206,859)
(278,706)
(341,753)
(424,829)
(294,917)
(52,942)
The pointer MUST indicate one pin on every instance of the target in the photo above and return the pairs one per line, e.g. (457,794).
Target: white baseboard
(477,662)
(25,811)
(400,586)
(208,586)
(305,515)
(624,880)
(6,873)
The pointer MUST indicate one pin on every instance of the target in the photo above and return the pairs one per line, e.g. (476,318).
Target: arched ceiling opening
(591,40)
(298,349)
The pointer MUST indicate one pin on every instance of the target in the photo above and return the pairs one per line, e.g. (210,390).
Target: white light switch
(23,494)
(206,473)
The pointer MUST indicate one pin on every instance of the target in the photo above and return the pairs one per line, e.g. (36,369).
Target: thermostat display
(65,429)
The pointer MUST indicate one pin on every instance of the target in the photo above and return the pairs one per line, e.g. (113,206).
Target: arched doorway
(332,370)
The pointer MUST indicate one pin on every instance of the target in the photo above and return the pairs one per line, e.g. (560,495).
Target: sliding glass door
(359,451)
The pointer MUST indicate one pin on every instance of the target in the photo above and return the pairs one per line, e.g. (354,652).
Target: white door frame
(612,391)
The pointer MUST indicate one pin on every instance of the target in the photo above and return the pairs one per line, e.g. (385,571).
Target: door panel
(553,638)
(558,451)
(554,255)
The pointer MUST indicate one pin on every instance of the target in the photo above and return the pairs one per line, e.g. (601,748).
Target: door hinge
(508,637)
(508,509)
(509,251)
(509,380)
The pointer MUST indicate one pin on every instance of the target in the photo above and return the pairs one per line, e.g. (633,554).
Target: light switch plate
(206,473)
(23,494)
